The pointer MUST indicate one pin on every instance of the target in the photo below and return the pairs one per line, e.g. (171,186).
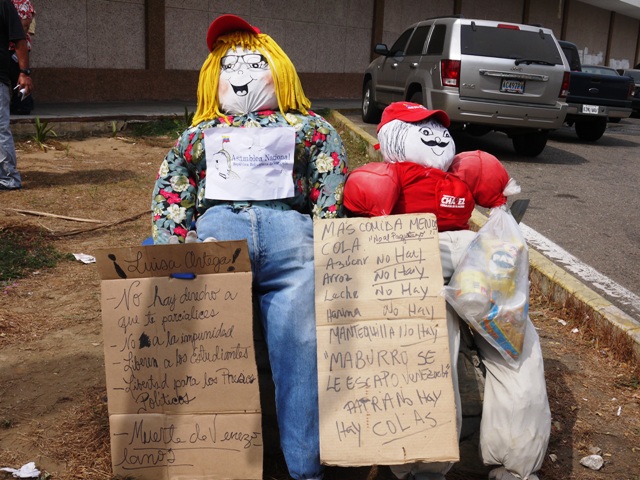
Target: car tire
(530,144)
(591,131)
(370,111)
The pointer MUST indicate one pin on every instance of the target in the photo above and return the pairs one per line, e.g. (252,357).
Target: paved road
(585,204)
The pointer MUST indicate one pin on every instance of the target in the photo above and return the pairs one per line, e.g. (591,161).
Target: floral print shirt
(319,171)
(26,11)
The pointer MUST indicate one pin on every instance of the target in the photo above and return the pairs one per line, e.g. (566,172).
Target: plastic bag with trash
(490,287)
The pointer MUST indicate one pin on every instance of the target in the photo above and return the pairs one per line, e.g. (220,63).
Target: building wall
(622,51)
(340,40)
(510,11)
(122,50)
(589,30)
(547,13)
(89,34)
(399,14)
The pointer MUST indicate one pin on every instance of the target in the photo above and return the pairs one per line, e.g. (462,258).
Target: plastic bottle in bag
(503,258)
(473,295)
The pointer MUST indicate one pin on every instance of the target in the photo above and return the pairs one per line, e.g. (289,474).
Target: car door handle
(414,65)
(394,65)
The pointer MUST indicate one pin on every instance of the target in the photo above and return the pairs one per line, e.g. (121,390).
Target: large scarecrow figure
(422,173)
(256,164)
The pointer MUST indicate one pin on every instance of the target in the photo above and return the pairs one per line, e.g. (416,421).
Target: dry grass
(82,440)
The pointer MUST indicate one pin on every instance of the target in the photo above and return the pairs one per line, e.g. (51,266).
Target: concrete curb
(609,323)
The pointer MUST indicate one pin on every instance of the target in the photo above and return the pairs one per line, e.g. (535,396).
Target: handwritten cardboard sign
(182,381)
(384,369)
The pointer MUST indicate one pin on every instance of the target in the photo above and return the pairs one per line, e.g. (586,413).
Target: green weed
(188,117)
(24,250)
(164,127)
(43,132)
(156,128)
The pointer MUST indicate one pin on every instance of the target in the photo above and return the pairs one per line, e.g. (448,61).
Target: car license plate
(509,85)
(592,109)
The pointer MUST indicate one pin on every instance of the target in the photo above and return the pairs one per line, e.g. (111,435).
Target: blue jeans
(281,252)
(9,175)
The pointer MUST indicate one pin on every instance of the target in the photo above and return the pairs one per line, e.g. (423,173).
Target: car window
(572,58)
(635,75)
(509,43)
(599,70)
(416,44)
(436,42)
(397,49)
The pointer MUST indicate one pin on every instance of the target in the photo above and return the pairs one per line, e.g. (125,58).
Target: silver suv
(486,75)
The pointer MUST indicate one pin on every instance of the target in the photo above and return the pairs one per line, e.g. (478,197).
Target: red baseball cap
(411,112)
(227,23)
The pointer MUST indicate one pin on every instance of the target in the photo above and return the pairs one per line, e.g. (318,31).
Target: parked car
(635,101)
(602,70)
(487,75)
(594,98)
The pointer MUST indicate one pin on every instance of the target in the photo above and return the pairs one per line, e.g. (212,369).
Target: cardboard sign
(182,381)
(384,369)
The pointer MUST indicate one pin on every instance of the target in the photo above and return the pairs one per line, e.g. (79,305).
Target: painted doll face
(429,143)
(246,83)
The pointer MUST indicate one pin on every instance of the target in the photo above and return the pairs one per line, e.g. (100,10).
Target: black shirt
(10,30)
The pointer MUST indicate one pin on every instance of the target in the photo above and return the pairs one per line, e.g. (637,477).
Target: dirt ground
(52,383)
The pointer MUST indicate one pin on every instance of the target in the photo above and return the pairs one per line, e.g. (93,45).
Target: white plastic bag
(490,286)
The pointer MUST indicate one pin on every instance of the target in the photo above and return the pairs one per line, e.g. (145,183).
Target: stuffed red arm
(372,190)
(486,177)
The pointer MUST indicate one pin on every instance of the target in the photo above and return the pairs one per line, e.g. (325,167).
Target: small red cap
(411,112)
(225,24)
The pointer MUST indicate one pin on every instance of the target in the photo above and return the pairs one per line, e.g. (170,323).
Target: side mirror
(381,49)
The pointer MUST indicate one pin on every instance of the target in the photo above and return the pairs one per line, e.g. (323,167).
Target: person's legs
(453,246)
(516,419)
(286,289)
(281,251)
(9,175)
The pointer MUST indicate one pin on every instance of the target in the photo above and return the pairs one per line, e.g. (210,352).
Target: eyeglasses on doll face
(252,61)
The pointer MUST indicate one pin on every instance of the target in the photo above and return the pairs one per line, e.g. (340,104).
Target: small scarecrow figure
(421,173)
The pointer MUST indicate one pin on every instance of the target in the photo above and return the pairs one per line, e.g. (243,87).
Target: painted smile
(433,143)
(241,90)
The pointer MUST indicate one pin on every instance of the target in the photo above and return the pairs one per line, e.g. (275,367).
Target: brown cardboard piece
(182,381)
(384,369)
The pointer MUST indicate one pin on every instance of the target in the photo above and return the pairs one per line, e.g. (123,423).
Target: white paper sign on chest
(249,163)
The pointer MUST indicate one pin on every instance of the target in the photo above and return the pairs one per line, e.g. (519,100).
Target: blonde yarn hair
(286,81)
